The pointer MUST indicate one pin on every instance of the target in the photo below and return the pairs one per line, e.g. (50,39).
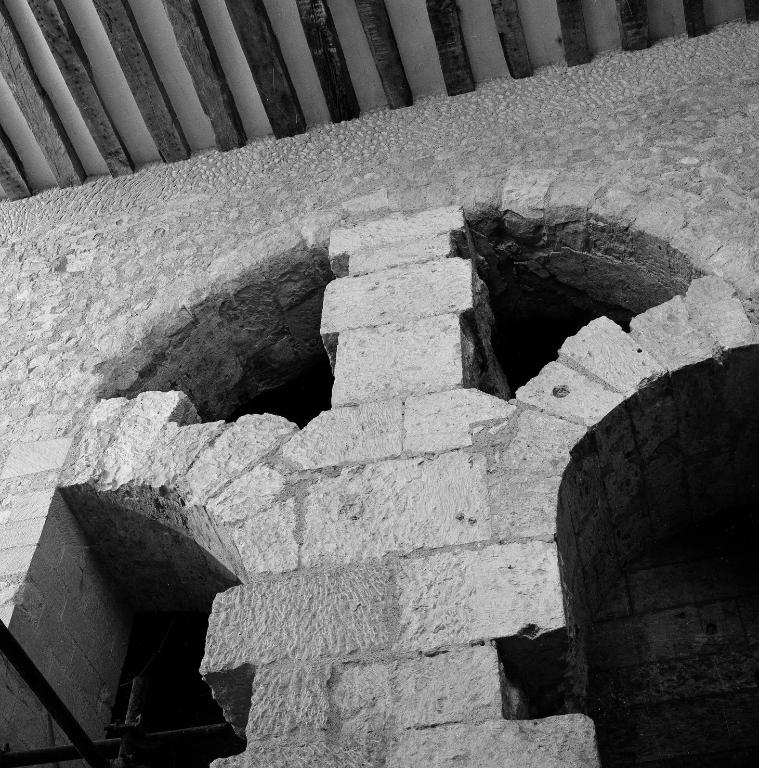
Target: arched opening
(549,277)
(657,526)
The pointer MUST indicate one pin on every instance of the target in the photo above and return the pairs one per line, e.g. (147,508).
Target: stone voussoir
(603,349)
(398,295)
(715,309)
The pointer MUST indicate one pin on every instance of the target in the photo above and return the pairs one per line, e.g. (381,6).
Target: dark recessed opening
(674,653)
(168,649)
(545,284)
(300,400)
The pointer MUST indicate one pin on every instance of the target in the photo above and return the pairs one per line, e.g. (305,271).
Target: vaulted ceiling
(91,87)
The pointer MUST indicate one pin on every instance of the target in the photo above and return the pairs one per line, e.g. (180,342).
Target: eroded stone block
(393,361)
(396,506)
(398,295)
(474,595)
(458,686)
(443,420)
(606,351)
(714,308)
(365,432)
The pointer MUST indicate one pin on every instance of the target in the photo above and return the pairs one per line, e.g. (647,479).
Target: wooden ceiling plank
(387,58)
(752,10)
(695,21)
(12,176)
(74,65)
(202,61)
(35,105)
(632,16)
(509,26)
(264,57)
(143,79)
(329,60)
(446,27)
(573,33)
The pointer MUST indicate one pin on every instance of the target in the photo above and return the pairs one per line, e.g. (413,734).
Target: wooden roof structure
(89,87)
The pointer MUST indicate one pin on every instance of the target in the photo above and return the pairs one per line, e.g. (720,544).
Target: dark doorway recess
(300,400)
(168,649)
(547,281)
(674,653)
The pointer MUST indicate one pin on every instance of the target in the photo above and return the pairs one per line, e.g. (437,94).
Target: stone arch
(668,442)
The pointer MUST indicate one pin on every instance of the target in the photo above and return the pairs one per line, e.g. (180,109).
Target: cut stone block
(459,686)
(524,477)
(396,506)
(606,351)
(393,361)
(248,495)
(668,334)
(398,295)
(525,193)
(567,741)
(470,596)
(315,751)
(302,615)
(714,309)
(396,239)
(569,395)
(444,420)
(365,432)
(40,456)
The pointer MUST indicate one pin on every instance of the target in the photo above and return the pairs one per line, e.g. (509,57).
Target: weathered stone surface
(524,477)
(567,394)
(241,446)
(398,295)
(284,752)
(40,456)
(393,361)
(525,193)
(396,239)
(303,615)
(458,686)
(667,332)
(606,351)
(265,540)
(247,495)
(366,432)
(288,698)
(443,420)
(396,506)
(567,741)
(474,595)
(714,308)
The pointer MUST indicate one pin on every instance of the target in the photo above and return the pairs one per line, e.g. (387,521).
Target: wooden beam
(262,51)
(329,60)
(509,26)
(384,48)
(446,27)
(35,105)
(573,32)
(752,10)
(199,54)
(632,16)
(12,176)
(695,21)
(75,67)
(141,75)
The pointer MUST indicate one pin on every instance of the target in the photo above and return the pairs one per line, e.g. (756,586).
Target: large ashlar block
(567,741)
(365,432)
(398,295)
(524,477)
(396,506)
(394,361)
(40,456)
(458,686)
(394,240)
(667,332)
(444,420)
(565,393)
(469,596)
(715,309)
(302,615)
(605,350)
